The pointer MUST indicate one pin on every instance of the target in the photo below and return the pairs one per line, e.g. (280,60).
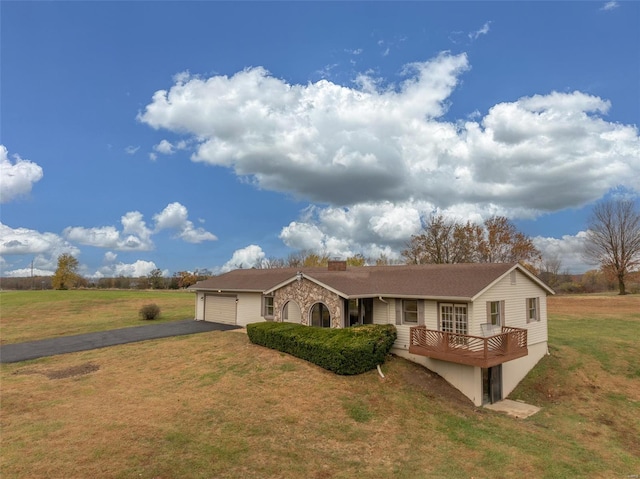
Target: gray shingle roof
(430,280)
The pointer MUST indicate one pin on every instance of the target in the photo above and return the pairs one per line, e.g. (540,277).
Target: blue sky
(191,135)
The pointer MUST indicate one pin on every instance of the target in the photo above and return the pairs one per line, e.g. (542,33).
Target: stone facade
(306,293)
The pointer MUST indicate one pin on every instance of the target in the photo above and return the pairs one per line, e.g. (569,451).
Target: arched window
(320,316)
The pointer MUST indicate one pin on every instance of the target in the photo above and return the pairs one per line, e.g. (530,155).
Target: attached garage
(220,309)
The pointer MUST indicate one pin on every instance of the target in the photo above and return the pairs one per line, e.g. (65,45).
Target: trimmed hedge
(344,351)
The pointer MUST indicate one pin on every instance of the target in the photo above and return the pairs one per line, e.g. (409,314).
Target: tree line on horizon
(613,243)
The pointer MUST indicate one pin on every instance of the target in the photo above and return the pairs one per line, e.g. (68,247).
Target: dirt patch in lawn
(63,373)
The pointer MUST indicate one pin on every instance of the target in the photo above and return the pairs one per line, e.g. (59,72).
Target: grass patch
(357,409)
(215,405)
(32,315)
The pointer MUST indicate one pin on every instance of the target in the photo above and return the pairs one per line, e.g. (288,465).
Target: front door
(492,384)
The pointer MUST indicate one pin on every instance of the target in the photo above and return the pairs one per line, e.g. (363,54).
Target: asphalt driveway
(12,353)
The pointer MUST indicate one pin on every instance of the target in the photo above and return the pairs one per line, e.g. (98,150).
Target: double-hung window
(410,311)
(495,311)
(267,306)
(533,309)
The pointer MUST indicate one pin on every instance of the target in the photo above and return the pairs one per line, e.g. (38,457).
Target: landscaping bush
(150,311)
(344,351)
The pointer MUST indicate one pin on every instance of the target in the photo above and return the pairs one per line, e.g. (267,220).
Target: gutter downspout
(388,317)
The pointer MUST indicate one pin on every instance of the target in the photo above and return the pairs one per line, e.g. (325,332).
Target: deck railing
(509,344)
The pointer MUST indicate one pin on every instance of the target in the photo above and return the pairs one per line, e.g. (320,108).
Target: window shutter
(398,311)
(421,311)
(262,306)
(537,309)
(503,319)
(489,312)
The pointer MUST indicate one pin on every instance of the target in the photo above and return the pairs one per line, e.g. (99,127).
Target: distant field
(31,315)
(213,405)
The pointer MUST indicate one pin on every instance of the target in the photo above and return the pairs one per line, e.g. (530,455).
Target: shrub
(344,351)
(150,311)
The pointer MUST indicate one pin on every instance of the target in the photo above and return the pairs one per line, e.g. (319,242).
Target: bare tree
(613,239)
(446,241)
(550,266)
(271,263)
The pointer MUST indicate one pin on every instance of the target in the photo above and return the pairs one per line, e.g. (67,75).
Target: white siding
(514,296)
(386,314)
(249,308)
(199,306)
(431,314)
(382,313)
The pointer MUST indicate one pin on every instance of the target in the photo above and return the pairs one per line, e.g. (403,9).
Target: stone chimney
(336,265)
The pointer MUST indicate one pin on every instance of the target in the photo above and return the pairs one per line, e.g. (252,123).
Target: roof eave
(225,290)
(464,299)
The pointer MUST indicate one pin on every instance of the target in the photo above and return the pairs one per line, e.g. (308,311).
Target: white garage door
(220,309)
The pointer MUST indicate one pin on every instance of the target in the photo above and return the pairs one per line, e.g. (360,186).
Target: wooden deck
(484,352)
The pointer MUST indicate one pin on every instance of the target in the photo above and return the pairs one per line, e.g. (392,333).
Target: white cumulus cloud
(130,270)
(43,247)
(382,155)
(246,257)
(16,179)
(164,147)
(20,241)
(568,249)
(175,216)
(134,236)
(373,142)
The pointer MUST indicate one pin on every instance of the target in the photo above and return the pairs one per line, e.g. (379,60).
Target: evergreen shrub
(345,351)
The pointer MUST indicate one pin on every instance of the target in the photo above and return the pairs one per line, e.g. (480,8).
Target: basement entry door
(220,309)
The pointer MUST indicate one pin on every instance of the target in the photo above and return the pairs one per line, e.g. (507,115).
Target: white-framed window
(410,311)
(267,306)
(533,309)
(495,313)
(454,318)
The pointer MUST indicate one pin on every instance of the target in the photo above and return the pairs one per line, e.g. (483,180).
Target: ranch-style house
(482,327)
